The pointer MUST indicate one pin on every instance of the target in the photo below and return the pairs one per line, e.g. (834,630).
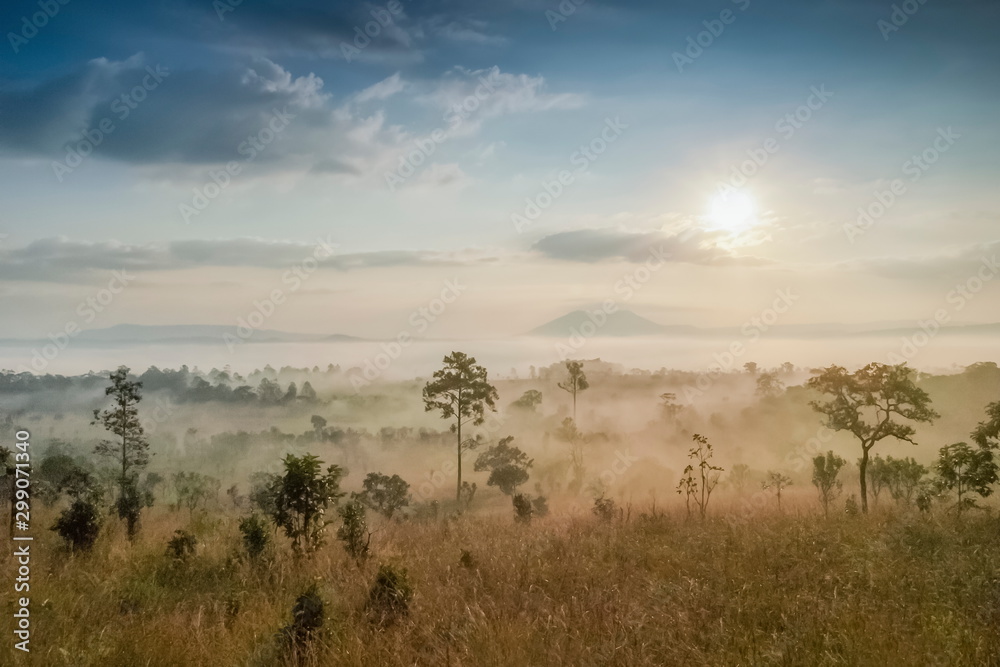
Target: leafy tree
(576,382)
(751,367)
(307,394)
(269,392)
(825,471)
(904,478)
(460,391)
(864,404)
(768,385)
(129,449)
(987,433)
(508,466)
(700,477)
(529,400)
(385,494)
(776,482)
(300,498)
(966,470)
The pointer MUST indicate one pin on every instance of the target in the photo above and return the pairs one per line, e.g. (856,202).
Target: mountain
(620,323)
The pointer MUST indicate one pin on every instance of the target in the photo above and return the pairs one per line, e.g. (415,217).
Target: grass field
(778,589)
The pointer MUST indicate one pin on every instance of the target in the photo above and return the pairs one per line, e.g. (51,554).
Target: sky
(336,167)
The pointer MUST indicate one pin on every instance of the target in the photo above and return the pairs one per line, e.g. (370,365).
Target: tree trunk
(864,479)
(458,486)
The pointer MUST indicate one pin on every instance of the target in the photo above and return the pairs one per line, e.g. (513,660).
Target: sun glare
(733,211)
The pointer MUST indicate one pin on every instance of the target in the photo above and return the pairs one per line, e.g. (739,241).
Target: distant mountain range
(625,323)
(620,324)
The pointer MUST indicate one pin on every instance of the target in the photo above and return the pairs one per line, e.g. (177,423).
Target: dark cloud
(61,259)
(597,245)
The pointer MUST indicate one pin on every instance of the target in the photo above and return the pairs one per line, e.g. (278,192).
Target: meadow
(646,588)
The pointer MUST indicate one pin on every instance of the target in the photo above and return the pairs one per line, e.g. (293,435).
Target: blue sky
(344,124)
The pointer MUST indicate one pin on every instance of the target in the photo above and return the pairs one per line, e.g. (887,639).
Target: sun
(732,211)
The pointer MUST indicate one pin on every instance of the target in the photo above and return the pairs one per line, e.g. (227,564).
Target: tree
(878,476)
(529,400)
(80,523)
(461,391)
(385,494)
(508,466)
(964,470)
(308,394)
(269,392)
(570,434)
(700,477)
(987,433)
(864,404)
(825,471)
(768,385)
(300,497)
(739,477)
(129,449)
(776,482)
(576,383)
(751,367)
(904,478)
(669,405)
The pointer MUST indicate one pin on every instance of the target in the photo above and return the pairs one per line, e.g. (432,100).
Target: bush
(354,533)
(523,509)
(541,506)
(307,617)
(390,595)
(605,508)
(255,535)
(79,524)
(181,545)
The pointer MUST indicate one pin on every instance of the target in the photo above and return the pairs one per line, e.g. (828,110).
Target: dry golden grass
(777,590)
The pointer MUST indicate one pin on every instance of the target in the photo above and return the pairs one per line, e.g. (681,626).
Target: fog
(633,443)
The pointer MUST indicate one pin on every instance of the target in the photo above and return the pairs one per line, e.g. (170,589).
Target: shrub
(390,595)
(354,532)
(605,508)
(541,506)
(79,525)
(181,545)
(255,535)
(523,509)
(307,617)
